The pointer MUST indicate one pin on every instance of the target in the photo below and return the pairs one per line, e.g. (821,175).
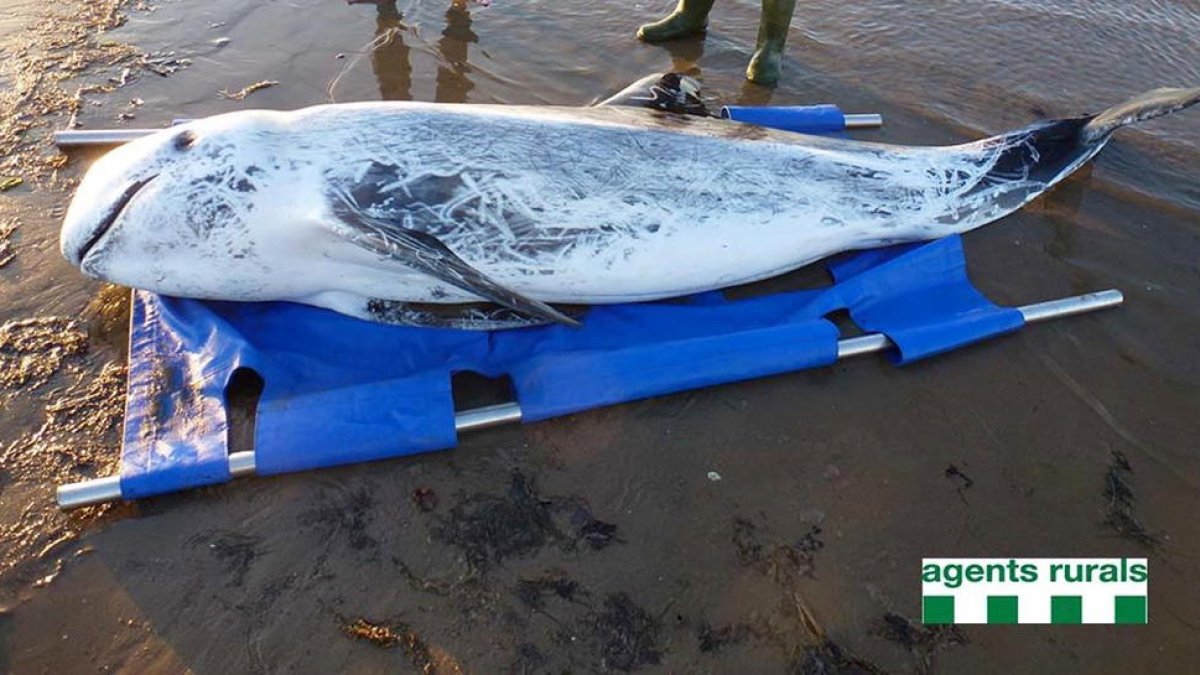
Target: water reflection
(1063,204)
(453,84)
(755,94)
(391,58)
(685,54)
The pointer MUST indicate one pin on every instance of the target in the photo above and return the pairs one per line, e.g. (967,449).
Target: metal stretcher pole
(103,137)
(78,138)
(863,120)
(99,490)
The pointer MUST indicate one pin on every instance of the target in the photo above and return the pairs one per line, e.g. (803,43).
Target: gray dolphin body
(369,208)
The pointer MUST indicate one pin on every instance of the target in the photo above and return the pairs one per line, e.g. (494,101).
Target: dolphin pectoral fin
(425,253)
(469,316)
(669,92)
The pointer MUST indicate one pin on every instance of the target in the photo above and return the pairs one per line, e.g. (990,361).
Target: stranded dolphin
(367,208)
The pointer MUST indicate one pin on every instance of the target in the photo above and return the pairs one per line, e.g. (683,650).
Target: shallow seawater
(598,542)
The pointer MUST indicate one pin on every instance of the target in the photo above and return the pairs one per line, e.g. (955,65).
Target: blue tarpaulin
(339,390)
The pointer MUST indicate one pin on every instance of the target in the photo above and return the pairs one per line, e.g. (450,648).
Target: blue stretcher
(338,390)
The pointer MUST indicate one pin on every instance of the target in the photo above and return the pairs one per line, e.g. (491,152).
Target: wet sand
(598,542)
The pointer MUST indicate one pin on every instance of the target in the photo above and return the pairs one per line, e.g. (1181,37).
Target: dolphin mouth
(114,213)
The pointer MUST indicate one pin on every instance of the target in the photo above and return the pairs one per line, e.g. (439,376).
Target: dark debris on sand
(810,649)
(828,658)
(923,642)
(596,634)
(490,528)
(595,533)
(235,550)
(782,560)
(962,481)
(625,634)
(533,592)
(347,513)
(712,639)
(1119,511)
(529,659)
(425,498)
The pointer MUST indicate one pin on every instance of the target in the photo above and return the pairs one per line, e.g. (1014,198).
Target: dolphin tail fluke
(1152,104)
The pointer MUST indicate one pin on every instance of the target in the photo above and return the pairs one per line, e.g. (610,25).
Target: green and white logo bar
(1034,590)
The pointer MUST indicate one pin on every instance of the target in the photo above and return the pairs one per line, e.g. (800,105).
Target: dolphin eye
(184,140)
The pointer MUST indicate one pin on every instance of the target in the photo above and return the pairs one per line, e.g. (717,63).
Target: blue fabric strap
(920,297)
(174,408)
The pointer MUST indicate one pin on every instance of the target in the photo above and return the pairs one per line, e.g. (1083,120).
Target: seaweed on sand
(1119,512)
(489,528)
(428,659)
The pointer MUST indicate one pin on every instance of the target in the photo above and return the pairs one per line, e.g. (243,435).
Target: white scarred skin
(564,205)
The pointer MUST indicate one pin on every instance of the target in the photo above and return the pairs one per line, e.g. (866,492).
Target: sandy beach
(1075,438)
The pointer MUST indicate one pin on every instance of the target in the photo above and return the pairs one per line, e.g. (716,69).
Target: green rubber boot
(772,34)
(689,18)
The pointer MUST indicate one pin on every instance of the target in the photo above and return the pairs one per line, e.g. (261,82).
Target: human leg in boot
(689,18)
(772,34)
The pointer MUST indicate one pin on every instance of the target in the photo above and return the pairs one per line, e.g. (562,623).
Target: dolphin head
(148,213)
